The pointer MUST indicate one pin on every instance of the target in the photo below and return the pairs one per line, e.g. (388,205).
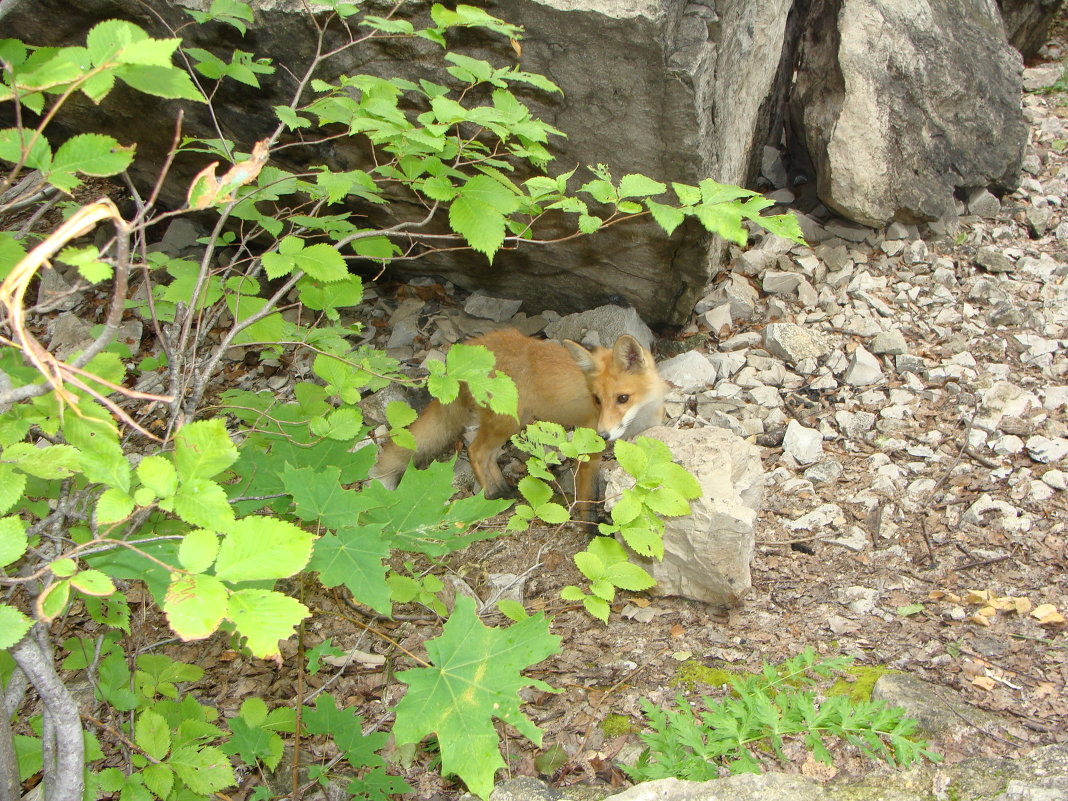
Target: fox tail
(438,427)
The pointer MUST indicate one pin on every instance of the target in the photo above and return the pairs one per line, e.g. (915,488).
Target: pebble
(803,445)
(863,370)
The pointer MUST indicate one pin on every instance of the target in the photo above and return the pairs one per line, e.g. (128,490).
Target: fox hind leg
(493,433)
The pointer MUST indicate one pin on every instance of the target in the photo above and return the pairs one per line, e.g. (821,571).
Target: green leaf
(167,82)
(203,769)
(631,458)
(195,605)
(910,609)
(92,582)
(50,463)
(481,666)
(667,217)
(345,726)
(13,540)
(159,778)
(597,607)
(635,185)
(203,449)
(158,474)
(667,501)
(203,503)
(257,548)
(264,617)
(153,734)
(113,505)
(26,146)
(53,600)
(87,260)
(198,550)
(322,262)
(11,253)
(89,154)
(355,556)
(477,213)
(13,626)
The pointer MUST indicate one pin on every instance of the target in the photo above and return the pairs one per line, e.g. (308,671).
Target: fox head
(626,388)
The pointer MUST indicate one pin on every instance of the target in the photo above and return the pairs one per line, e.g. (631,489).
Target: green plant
(661,489)
(750,725)
(210,499)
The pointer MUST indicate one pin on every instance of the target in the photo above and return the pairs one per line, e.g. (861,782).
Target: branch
(65,778)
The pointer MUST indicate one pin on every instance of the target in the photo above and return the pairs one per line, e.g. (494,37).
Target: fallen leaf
(979,620)
(985,682)
(1023,606)
(978,596)
(1047,615)
(988,611)
(677,630)
(943,595)
(681,656)
(1004,604)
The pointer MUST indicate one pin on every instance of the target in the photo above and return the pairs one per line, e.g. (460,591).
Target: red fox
(617,392)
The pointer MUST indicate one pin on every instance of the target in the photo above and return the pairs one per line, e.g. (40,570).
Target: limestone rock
(601,326)
(793,343)
(865,93)
(707,553)
(690,371)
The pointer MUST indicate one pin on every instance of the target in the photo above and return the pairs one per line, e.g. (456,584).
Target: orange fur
(617,392)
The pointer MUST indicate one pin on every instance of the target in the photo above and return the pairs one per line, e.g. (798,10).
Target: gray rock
(1038,219)
(491,308)
(850,231)
(854,425)
(983,204)
(690,371)
(601,326)
(794,343)
(891,343)
(707,553)
(777,282)
(1027,23)
(1047,449)
(803,445)
(1040,775)
(994,260)
(864,369)
(861,131)
(938,710)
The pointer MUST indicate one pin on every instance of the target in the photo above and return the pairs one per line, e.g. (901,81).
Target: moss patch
(617,725)
(859,682)
(691,673)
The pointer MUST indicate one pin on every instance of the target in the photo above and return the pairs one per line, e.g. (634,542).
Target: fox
(617,392)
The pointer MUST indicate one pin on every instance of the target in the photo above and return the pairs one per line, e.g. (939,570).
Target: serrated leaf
(195,605)
(553,513)
(198,550)
(636,185)
(597,607)
(355,557)
(158,474)
(481,666)
(477,213)
(159,778)
(53,600)
(631,458)
(264,617)
(630,577)
(50,463)
(535,490)
(89,154)
(92,582)
(153,734)
(13,626)
(667,501)
(167,82)
(257,548)
(113,505)
(13,540)
(203,449)
(322,262)
(667,217)
(203,769)
(203,503)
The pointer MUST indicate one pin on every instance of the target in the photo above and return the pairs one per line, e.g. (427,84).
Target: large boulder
(706,553)
(672,89)
(901,104)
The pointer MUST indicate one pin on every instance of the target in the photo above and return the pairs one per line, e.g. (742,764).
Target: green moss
(691,673)
(859,682)
(617,725)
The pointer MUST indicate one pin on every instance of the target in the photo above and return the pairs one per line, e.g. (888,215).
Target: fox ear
(582,356)
(628,354)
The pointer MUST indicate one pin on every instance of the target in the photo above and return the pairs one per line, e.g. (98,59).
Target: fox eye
(621,399)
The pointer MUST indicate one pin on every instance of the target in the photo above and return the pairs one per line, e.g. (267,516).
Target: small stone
(856,539)
(793,343)
(847,230)
(1007,445)
(863,370)
(491,308)
(1045,449)
(776,282)
(1038,220)
(854,425)
(889,342)
(983,204)
(746,339)
(718,319)
(820,517)
(825,472)
(993,260)
(803,445)
(690,371)
(1057,479)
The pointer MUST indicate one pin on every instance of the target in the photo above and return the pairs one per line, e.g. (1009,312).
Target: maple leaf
(475,677)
